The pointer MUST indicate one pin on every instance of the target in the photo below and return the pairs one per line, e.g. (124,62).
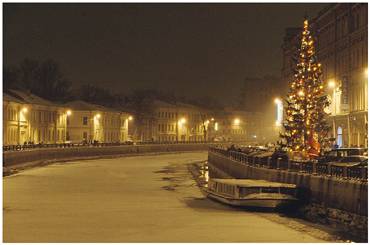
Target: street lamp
(182,121)
(279,111)
(97,127)
(179,127)
(277,100)
(237,121)
(130,118)
(68,113)
(331,83)
(24,109)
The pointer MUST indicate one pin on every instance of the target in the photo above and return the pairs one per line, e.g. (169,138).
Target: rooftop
(252,183)
(8,97)
(29,98)
(85,106)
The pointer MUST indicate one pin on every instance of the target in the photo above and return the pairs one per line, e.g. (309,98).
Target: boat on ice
(251,193)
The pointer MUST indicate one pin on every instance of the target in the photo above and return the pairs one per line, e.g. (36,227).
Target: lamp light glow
(331,84)
(277,101)
(182,121)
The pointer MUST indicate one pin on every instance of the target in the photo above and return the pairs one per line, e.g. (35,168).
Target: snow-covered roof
(160,103)
(85,106)
(10,98)
(30,98)
(252,183)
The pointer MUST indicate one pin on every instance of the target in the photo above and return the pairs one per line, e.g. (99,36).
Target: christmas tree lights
(305,122)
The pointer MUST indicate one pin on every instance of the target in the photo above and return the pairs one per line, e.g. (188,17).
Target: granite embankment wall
(54,154)
(344,194)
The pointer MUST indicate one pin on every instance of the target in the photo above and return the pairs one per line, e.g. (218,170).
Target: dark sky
(191,49)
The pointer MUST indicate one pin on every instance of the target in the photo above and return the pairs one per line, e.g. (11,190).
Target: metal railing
(309,167)
(7,148)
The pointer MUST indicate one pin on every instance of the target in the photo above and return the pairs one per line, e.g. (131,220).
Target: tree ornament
(305,128)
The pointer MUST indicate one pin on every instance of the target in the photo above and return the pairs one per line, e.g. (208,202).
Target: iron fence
(310,167)
(23,147)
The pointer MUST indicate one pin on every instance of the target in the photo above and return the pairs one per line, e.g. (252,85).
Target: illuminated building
(91,122)
(173,122)
(341,31)
(29,118)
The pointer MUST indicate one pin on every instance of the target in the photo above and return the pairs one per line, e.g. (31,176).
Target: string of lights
(305,122)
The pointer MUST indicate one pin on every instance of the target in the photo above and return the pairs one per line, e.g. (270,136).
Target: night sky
(190,49)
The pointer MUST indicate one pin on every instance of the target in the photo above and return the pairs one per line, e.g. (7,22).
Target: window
(84,120)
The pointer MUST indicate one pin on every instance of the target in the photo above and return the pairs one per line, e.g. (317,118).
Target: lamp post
(279,111)
(21,116)
(180,124)
(96,126)
(332,85)
(130,118)
(235,128)
(205,128)
(68,114)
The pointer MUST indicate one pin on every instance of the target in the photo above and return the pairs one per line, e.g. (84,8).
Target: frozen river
(149,198)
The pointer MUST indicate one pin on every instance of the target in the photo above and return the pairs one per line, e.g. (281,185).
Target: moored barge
(251,193)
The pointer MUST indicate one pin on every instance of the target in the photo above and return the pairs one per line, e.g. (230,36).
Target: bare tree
(44,79)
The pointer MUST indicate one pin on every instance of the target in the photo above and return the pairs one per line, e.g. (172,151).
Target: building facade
(174,122)
(341,45)
(13,110)
(89,122)
(29,118)
(243,126)
(180,122)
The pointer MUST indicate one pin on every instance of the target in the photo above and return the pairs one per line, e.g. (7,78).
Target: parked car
(219,139)
(263,156)
(279,154)
(337,154)
(351,161)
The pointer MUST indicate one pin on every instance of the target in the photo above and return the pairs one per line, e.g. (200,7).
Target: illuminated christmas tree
(305,123)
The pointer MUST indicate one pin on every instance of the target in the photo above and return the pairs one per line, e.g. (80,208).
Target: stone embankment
(36,157)
(329,200)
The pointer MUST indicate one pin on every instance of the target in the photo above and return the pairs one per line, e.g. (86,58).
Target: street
(149,198)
